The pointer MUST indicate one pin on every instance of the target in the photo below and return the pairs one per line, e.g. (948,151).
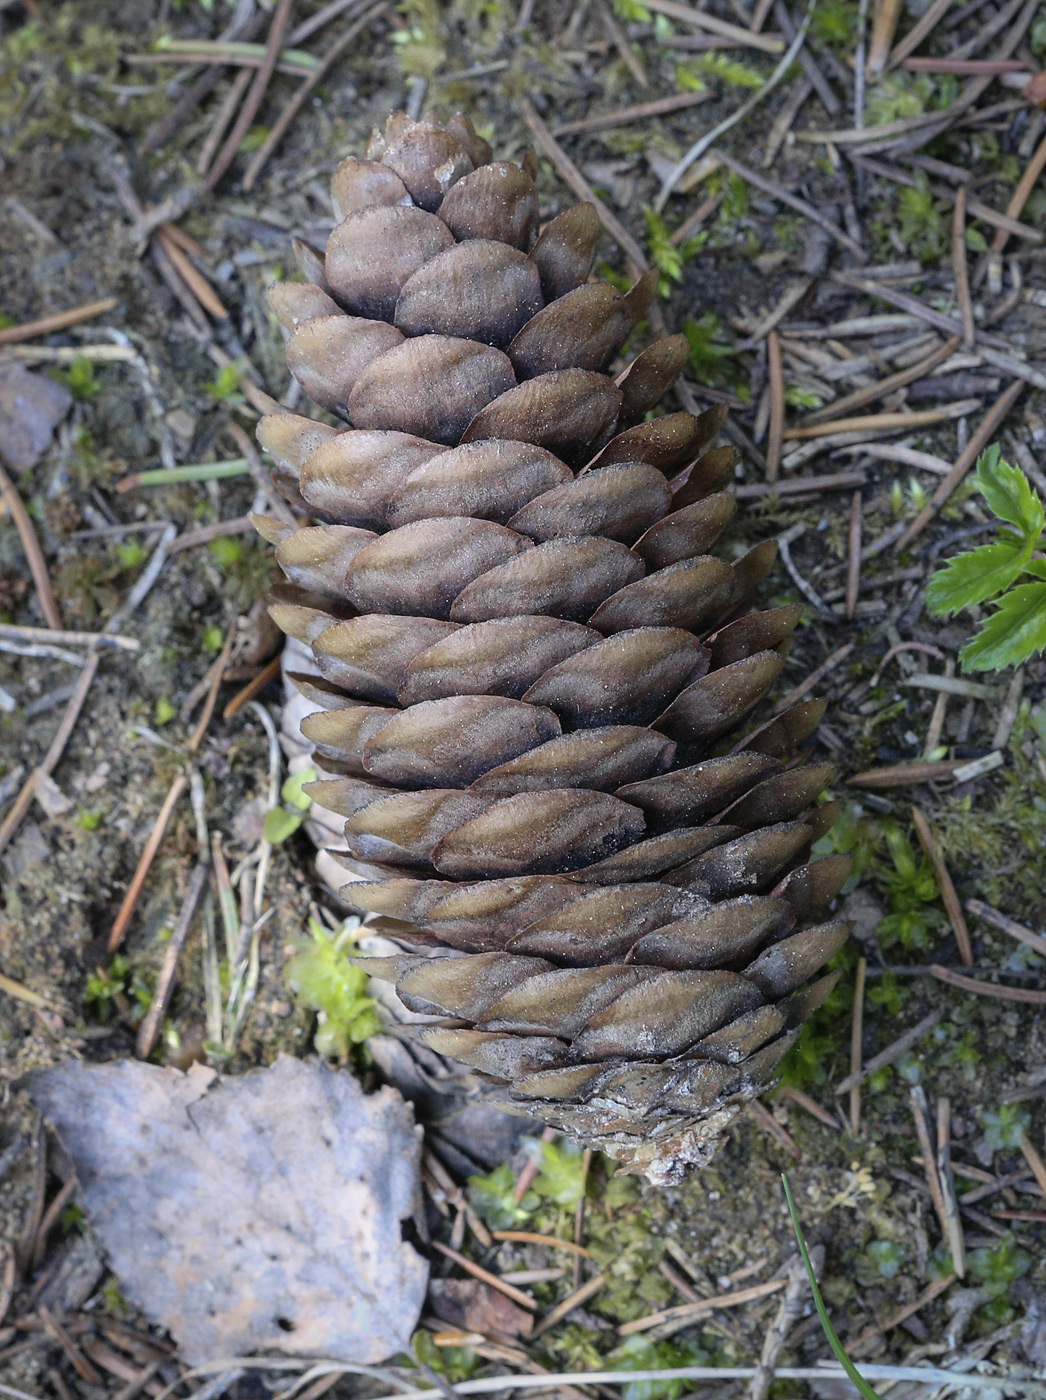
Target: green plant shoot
(324,979)
(1016,630)
(822,1312)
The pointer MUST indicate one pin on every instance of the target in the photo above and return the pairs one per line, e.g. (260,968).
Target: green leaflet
(1016,630)
(1009,494)
(1013,633)
(975,577)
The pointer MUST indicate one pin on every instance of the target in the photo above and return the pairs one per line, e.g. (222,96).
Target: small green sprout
(1016,629)
(561,1181)
(80,378)
(131,553)
(164,711)
(225,386)
(727,70)
(641,1354)
(709,356)
(282,822)
(226,551)
(105,987)
(323,979)
(999,1268)
(1005,1126)
(632,11)
(213,638)
(885,1258)
(668,257)
(912,893)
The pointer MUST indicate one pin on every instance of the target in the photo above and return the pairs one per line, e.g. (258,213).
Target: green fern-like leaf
(1015,632)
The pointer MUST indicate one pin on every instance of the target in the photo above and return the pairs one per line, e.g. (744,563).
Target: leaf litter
(249,1214)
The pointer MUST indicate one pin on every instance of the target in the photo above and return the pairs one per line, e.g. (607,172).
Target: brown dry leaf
(1035,92)
(31,407)
(253,1213)
(476,1307)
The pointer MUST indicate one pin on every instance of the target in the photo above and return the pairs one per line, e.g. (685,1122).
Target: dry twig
(949,897)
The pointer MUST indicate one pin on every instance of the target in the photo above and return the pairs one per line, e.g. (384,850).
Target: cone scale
(540,692)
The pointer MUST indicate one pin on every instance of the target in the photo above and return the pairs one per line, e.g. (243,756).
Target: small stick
(789,1310)
(785,119)
(218,675)
(696,220)
(74,1355)
(856,1042)
(223,117)
(879,390)
(791,298)
(532,1237)
(853,562)
(799,485)
(197,284)
(33,553)
(870,1334)
(906,774)
(775,370)
(814,678)
(951,900)
(48,1222)
(1038,1166)
(960,270)
(58,636)
(940,709)
(485,1276)
(884,26)
(624,116)
(531,1167)
(771,187)
(924,418)
(701,19)
(678,1282)
(758,1110)
(618,38)
(920,1110)
(918,32)
(24,800)
(579,1214)
(181,292)
(58,321)
(980,910)
(573,177)
(983,434)
(134,889)
(567,1306)
(987,989)
(1010,708)
(153,1019)
(279,128)
(1020,195)
(255,94)
(1009,364)
(670,1320)
(953,1233)
(241,525)
(254,687)
(797,1096)
(892,1053)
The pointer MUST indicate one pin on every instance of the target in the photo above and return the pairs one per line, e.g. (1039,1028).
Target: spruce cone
(534,676)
